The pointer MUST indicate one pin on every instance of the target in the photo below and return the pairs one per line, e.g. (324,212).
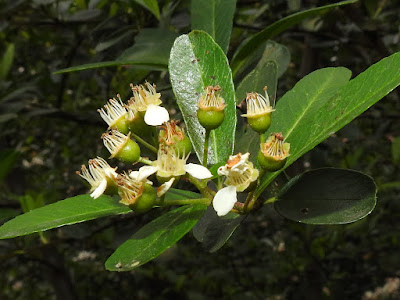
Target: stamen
(113,111)
(211,99)
(130,189)
(257,104)
(114,140)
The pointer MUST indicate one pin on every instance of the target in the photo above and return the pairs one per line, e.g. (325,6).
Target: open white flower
(146,99)
(170,165)
(240,173)
(99,175)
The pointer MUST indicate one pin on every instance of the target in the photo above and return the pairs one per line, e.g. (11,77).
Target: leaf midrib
(56,222)
(309,105)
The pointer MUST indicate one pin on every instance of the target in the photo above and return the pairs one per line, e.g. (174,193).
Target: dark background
(49,127)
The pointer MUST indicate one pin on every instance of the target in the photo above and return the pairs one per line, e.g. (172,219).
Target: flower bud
(273,153)
(258,112)
(121,146)
(211,112)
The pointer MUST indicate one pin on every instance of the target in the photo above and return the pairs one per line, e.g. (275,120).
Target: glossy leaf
(252,44)
(295,109)
(197,61)
(213,231)
(150,5)
(305,129)
(154,238)
(214,17)
(327,196)
(65,212)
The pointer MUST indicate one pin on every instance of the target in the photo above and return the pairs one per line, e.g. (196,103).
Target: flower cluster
(136,122)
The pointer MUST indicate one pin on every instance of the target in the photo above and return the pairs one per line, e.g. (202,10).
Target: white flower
(170,165)
(146,99)
(240,173)
(99,175)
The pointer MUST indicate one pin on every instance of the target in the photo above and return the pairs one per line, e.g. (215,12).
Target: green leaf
(150,5)
(327,196)
(299,115)
(6,61)
(113,63)
(213,231)
(252,44)
(196,62)
(263,75)
(154,238)
(151,50)
(66,212)
(267,51)
(214,17)
(328,116)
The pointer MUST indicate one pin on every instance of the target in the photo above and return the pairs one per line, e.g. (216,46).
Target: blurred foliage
(49,127)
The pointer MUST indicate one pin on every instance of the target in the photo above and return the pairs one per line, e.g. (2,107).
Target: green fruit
(130,153)
(270,163)
(183,147)
(210,119)
(146,201)
(121,125)
(260,124)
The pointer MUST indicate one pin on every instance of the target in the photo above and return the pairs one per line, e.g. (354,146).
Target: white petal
(134,175)
(100,189)
(165,187)
(110,172)
(144,172)
(224,200)
(198,171)
(155,115)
